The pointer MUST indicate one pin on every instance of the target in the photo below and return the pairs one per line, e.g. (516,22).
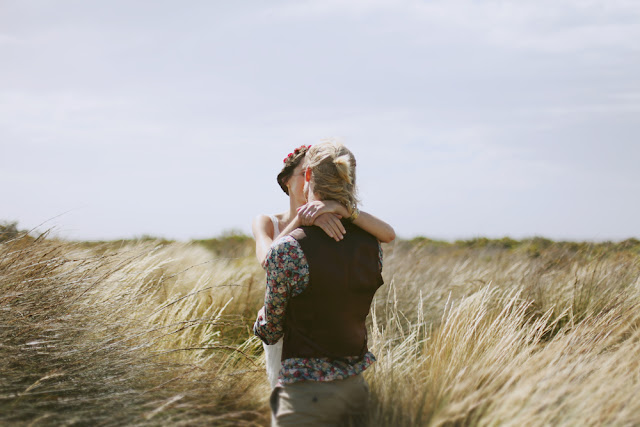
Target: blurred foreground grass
(480,332)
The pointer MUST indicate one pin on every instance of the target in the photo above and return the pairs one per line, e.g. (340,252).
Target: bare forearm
(260,227)
(310,212)
(380,229)
(295,223)
(262,249)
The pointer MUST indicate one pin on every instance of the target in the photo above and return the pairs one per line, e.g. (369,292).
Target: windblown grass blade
(471,333)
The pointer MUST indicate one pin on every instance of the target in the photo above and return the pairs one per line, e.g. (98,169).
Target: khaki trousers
(321,403)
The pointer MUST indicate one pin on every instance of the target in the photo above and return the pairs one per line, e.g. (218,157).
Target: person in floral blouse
(319,292)
(325,214)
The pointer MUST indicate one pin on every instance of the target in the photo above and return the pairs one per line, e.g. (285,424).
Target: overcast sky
(468,118)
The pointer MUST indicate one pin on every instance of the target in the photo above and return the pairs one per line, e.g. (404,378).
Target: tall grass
(140,335)
(472,333)
(550,340)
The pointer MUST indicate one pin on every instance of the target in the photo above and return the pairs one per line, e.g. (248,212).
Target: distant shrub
(422,240)
(231,244)
(478,242)
(630,245)
(483,242)
(9,230)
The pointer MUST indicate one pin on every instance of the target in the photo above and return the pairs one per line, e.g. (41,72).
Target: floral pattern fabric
(323,369)
(288,276)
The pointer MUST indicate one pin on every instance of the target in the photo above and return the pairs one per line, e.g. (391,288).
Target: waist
(323,369)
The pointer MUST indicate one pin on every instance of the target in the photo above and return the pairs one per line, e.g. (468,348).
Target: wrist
(331,205)
(355,213)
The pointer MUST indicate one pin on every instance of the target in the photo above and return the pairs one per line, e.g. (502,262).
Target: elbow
(260,331)
(266,338)
(270,340)
(389,236)
(257,332)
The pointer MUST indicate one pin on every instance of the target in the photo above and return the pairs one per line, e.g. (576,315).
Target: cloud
(450,106)
(10,40)
(588,110)
(553,26)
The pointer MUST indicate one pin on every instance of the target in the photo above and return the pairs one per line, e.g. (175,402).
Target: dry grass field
(470,333)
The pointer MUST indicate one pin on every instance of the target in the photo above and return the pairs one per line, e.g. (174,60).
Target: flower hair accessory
(296,151)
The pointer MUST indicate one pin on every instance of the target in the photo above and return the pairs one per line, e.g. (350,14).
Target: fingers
(338,228)
(304,220)
(303,214)
(329,230)
(323,223)
(310,211)
(331,225)
(318,208)
(309,217)
(307,214)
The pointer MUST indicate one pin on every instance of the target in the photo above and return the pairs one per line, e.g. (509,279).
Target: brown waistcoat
(328,318)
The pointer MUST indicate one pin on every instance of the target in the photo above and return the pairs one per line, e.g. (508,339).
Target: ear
(307,174)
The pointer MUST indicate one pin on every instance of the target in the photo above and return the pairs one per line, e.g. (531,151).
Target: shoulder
(261,219)
(285,244)
(362,234)
(262,224)
(285,248)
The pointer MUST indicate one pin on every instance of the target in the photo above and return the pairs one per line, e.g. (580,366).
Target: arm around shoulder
(262,228)
(371,224)
(287,276)
(309,212)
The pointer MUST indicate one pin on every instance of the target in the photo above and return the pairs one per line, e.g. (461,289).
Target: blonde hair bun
(333,172)
(343,166)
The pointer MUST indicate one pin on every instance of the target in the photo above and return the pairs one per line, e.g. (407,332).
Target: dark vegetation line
(234,243)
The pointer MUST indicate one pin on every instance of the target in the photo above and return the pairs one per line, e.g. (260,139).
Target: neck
(294,204)
(312,197)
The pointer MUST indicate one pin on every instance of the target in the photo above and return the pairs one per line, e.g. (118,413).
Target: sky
(467,118)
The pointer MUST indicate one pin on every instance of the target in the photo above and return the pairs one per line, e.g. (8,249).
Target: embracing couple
(324,264)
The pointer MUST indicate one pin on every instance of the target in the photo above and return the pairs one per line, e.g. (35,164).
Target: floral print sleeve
(287,276)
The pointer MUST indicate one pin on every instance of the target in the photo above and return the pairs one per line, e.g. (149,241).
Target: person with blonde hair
(319,292)
(325,214)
